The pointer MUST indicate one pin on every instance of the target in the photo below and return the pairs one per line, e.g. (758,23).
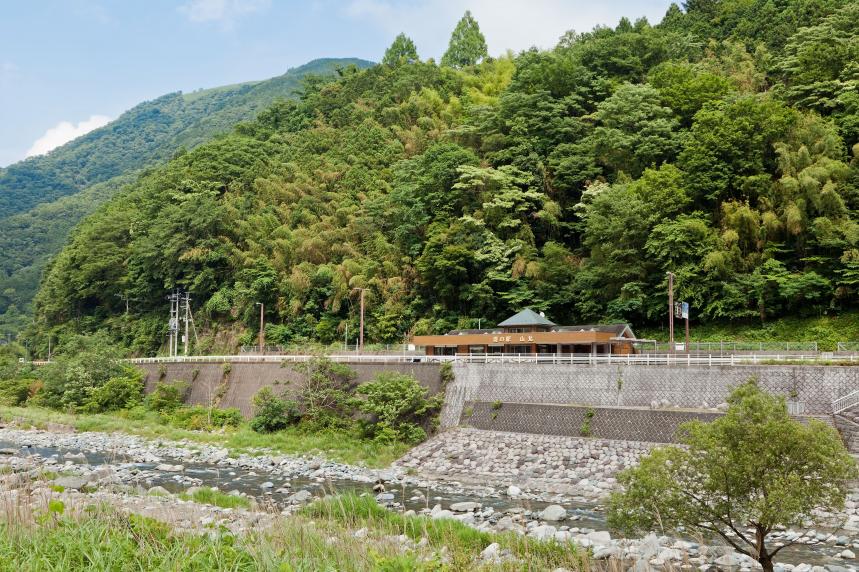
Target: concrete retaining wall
(815,387)
(655,426)
(245,379)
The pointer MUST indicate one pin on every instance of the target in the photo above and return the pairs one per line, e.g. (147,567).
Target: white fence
(730,346)
(679,359)
(846,402)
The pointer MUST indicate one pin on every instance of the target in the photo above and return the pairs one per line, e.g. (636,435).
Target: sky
(70,66)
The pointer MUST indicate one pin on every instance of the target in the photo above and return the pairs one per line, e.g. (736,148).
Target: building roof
(616,329)
(526,317)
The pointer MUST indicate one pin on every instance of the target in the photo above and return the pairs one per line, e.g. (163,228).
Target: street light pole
(261,327)
(671,312)
(361,331)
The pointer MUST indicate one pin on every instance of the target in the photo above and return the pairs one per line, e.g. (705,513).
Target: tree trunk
(766,562)
(764,557)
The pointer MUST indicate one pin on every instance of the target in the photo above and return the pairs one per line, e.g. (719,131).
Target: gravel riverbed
(543,487)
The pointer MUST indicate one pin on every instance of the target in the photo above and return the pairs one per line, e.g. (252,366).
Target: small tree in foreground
(755,468)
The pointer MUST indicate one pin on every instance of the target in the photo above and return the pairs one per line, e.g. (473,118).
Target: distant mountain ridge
(42,198)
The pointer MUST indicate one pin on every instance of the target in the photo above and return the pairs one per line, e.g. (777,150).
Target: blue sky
(67,66)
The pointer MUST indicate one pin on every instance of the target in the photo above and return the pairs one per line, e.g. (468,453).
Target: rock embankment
(566,465)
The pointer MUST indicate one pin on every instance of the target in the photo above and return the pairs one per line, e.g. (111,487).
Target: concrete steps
(847,423)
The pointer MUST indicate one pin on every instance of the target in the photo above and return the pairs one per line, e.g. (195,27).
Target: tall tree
(755,468)
(467,45)
(401,51)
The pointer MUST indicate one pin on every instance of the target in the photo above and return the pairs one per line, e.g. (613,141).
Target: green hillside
(569,180)
(43,198)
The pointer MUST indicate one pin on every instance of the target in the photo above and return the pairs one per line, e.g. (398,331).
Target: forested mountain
(41,198)
(720,144)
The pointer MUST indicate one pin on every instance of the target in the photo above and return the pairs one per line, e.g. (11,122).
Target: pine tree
(401,51)
(467,45)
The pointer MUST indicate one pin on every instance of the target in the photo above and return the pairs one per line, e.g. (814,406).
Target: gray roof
(526,317)
(616,329)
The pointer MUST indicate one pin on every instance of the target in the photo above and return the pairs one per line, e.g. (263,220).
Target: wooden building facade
(531,333)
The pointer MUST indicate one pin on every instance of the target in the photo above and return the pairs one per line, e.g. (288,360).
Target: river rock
(158,491)
(164,467)
(513,491)
(849,554)
(553,513)
(465,506)
(8,451)
(71,482)
(300,497)
(607,552)
(601,537)
(491,552)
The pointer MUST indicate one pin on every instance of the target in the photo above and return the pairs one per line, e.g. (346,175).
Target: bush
(15,392)
(398,407)
(325,395)
(199,418)
(271,413)
(117,393)
(167,397)
(83,364)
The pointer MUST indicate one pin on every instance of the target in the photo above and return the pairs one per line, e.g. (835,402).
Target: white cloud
(65,131)
(224,12)
(506,24)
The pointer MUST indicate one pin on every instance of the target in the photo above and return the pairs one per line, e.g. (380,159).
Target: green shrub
(15,392)
(271,413)
(398,407)
(324,397)
(166,397)
(83,364)
(117,393)
(199,418)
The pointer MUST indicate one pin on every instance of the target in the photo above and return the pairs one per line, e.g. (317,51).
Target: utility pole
(187,301)
(123,297)
(261,327)
(671,311)
(361,331)
(346,338)
(173,324)
(687,329)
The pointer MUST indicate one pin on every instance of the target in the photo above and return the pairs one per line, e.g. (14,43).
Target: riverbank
(335,445)
(160,479)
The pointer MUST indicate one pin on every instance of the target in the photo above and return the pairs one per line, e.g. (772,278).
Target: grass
(827,331)
(463,542)
(337,446)
(207,495)
(321,538)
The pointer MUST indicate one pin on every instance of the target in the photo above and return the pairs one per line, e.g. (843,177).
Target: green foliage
(402,51)
(324,396)
(43,198)
(199,418)
(271,413)
(569,180)
(399,407)
(166,397)
(467,45)
(16,391)
(117,393)
(755,467)
(585,429)
(208,495)
(84,364)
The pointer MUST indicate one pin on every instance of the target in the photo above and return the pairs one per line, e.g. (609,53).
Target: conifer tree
(401,51)
(467,45)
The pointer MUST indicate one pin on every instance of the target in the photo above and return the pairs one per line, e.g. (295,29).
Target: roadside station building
(531,333)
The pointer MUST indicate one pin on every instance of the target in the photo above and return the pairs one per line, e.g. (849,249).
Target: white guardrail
(846,402)
(679,359)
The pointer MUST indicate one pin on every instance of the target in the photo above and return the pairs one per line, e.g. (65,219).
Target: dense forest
(720,144)
(43,198)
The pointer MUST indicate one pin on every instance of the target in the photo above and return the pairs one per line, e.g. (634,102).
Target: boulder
(158,491)
(553,513)
(513,491)
(164,467)
(300,497)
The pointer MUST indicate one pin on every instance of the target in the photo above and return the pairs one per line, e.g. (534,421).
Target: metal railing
(847,347)
(645,359)
(845,402)
(731,346)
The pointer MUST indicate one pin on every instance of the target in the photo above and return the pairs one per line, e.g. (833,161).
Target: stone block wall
(628,424)
(815,387)
(245,379)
